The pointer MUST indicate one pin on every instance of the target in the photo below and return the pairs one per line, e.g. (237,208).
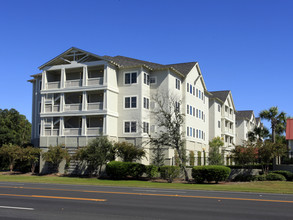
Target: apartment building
(222,119)
(80,95)
(245,123)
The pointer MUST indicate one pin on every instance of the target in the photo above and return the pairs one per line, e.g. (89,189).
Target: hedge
(169,173)
(287,174)
(275,177)
(151,171)
(244,178)
(210,173)
(120,170)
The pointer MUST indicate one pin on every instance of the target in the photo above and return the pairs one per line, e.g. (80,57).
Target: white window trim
(143,103)
(130,78)
(147,75)
(130,102)
(154,77)
(130,127)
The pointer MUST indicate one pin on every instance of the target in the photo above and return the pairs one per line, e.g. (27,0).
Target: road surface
(54,201)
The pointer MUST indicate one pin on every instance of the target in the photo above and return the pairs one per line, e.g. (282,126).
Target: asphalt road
(54,201)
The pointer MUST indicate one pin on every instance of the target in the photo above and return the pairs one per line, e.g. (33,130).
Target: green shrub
(117,169)
(210,173)
(260,178)
(169,173)
(120,170)
(287,174)
(275,177)
(151,171)
(244,178)
(135,169)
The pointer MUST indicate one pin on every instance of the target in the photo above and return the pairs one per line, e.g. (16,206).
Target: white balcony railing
(53,132)
(95,106)
(94,131)
(53,85)
(73,83)
(95,81)
(72,131)
(50,108)
(73,107)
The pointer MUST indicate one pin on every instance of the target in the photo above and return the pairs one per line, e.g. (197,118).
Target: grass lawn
(261,187)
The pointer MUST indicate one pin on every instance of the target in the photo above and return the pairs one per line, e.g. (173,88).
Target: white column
(105,100)
(105,125)
(61,126)
(63,78)
(84,76)
(105,75)
(62,102)
(84,101)
(42,127)
(83,127)
(44,80)
(42,110)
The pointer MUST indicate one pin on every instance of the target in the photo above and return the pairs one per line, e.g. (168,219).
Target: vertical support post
(42,127)
(62,102)
(105,100)
(105,125)
(61,126)
(63,78)
(84,76)
(44,80)
(105,75)
(84,101)
(83,127)
(42,110)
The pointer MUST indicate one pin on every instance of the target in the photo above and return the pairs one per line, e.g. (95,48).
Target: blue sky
(241,45)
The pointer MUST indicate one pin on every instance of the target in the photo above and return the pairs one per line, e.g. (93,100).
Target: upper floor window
(146,127)
(196,92)
(130,127)
(146,79)
(177,106)
(190,89)
(193,90)
(177,84)
(187,87)
(187,109)
(153,80)
(219,108)
(130,102)
(146,102)
(199,94)
(130,78)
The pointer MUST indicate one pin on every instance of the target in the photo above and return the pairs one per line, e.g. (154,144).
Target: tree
(128,152)
(191,158)
(32,156)
(277,119)
(55,155)
(15,129)
(11,153)
(158,156)
(170,121)
(96,154)
(215,157)
(246,155)
(258,133)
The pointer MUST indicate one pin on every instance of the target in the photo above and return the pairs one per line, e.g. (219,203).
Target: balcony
(51,132)
(229,116)
(72,131)
(73,83)
(95,106)
(52,108)
(53,85)
(95,81)
(94,131)
(73,107)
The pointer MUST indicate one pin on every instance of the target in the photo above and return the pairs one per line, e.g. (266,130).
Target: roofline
(75,48)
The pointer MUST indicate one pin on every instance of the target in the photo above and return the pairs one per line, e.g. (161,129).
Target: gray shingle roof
(183,68)
(244,114)
(222,95)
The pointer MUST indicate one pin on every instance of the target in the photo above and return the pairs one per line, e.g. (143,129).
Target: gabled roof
(222,95)
(184,68)
(244,114)
(289,129)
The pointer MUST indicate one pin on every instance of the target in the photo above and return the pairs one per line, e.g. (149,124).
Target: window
(187,87)
(193,90)
(199,94)
(190,110)
(146,127)
(130,78)
(177,84)
(199,133)
(130,102)
(187,131)
(153,80)
(193,132)
(190,89)
(190,132)
(193,111)
(130,127)
(219,108)
(177,106)
(219,124)
(40,88)
(187,109)
(196,133)
(197,113)
(146,79)
(202,134)
(146,102)
(202,115)
(196,92)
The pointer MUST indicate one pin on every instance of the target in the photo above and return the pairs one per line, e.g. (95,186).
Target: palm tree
(258,133)
(278,120)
